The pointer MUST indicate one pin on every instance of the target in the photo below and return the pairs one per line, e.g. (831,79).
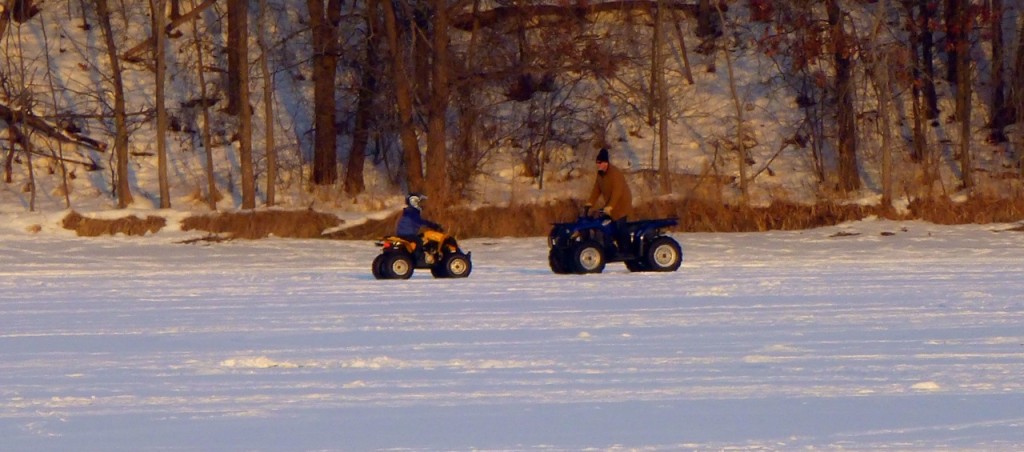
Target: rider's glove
(607,210)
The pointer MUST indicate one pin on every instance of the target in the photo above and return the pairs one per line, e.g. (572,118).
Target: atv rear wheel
(664,255)
(587,257)
(398,266)
(377,267)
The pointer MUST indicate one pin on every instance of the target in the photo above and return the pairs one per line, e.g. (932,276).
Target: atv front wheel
(398,266)
(456,265)
(664,255)
(558,261)
(588,257)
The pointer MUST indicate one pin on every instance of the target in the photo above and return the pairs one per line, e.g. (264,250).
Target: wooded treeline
(431,90)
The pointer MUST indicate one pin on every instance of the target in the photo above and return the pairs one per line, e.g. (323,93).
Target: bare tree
(687,72)
(955,11)
(59,152)
(963,75)
(19,11)
(741,147)
(707,19)
(19,93)
(323,26)
(238,26)
(997,105)
(465,150)
(878,69)
(914,34)
(1017,93)
(204,105)
(927,15)
(158,9)
(437,134)
(846,126)
(399,50)
(19,138)
(364,121)
(659,98)
(123,189)
(268,105)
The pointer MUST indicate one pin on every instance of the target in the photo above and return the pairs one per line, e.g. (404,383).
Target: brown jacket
(613,187)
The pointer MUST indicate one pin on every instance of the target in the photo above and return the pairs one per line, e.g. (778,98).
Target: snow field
(862,336)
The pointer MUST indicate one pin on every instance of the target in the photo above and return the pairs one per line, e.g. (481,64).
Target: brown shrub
(977,210)
(535,220)
(93,227)
(260,224)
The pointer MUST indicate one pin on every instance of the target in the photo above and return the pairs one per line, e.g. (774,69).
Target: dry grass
(260,224)
(535,220)
(978,210)
(93,227)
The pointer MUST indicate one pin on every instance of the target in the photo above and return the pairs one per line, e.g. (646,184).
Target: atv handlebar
(597,214)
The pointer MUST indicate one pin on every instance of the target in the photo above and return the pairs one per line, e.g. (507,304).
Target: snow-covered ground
(867,335)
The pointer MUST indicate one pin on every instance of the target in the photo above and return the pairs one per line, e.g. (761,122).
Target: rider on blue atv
(585,245)
(618,201)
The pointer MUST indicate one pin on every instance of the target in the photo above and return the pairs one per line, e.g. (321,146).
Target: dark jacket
(613,187)
(411,221)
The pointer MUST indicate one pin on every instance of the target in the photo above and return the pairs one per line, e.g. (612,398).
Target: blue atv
(586,245)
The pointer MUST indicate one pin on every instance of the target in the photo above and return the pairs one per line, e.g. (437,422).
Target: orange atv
(439,252)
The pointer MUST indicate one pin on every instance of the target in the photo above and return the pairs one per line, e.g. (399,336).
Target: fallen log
(40,125)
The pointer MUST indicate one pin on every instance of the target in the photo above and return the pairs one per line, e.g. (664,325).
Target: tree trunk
(955,33)
(660,95)
(238,15)
(211,185)
(234,104)
(123,189)
(325,65)
(963,98)
(917,148)
(706,16)
(354,183)
(998,106)
(687,72)
(421,49)
(5,17)
(268,106)
(652,94)
(59,152)
(880,75)
(132,53)
(403,100)
(157,7)
(1017,96)
(21,139)
(464,153)
(846,132)
(437,133)
(741,149)
(927,8)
